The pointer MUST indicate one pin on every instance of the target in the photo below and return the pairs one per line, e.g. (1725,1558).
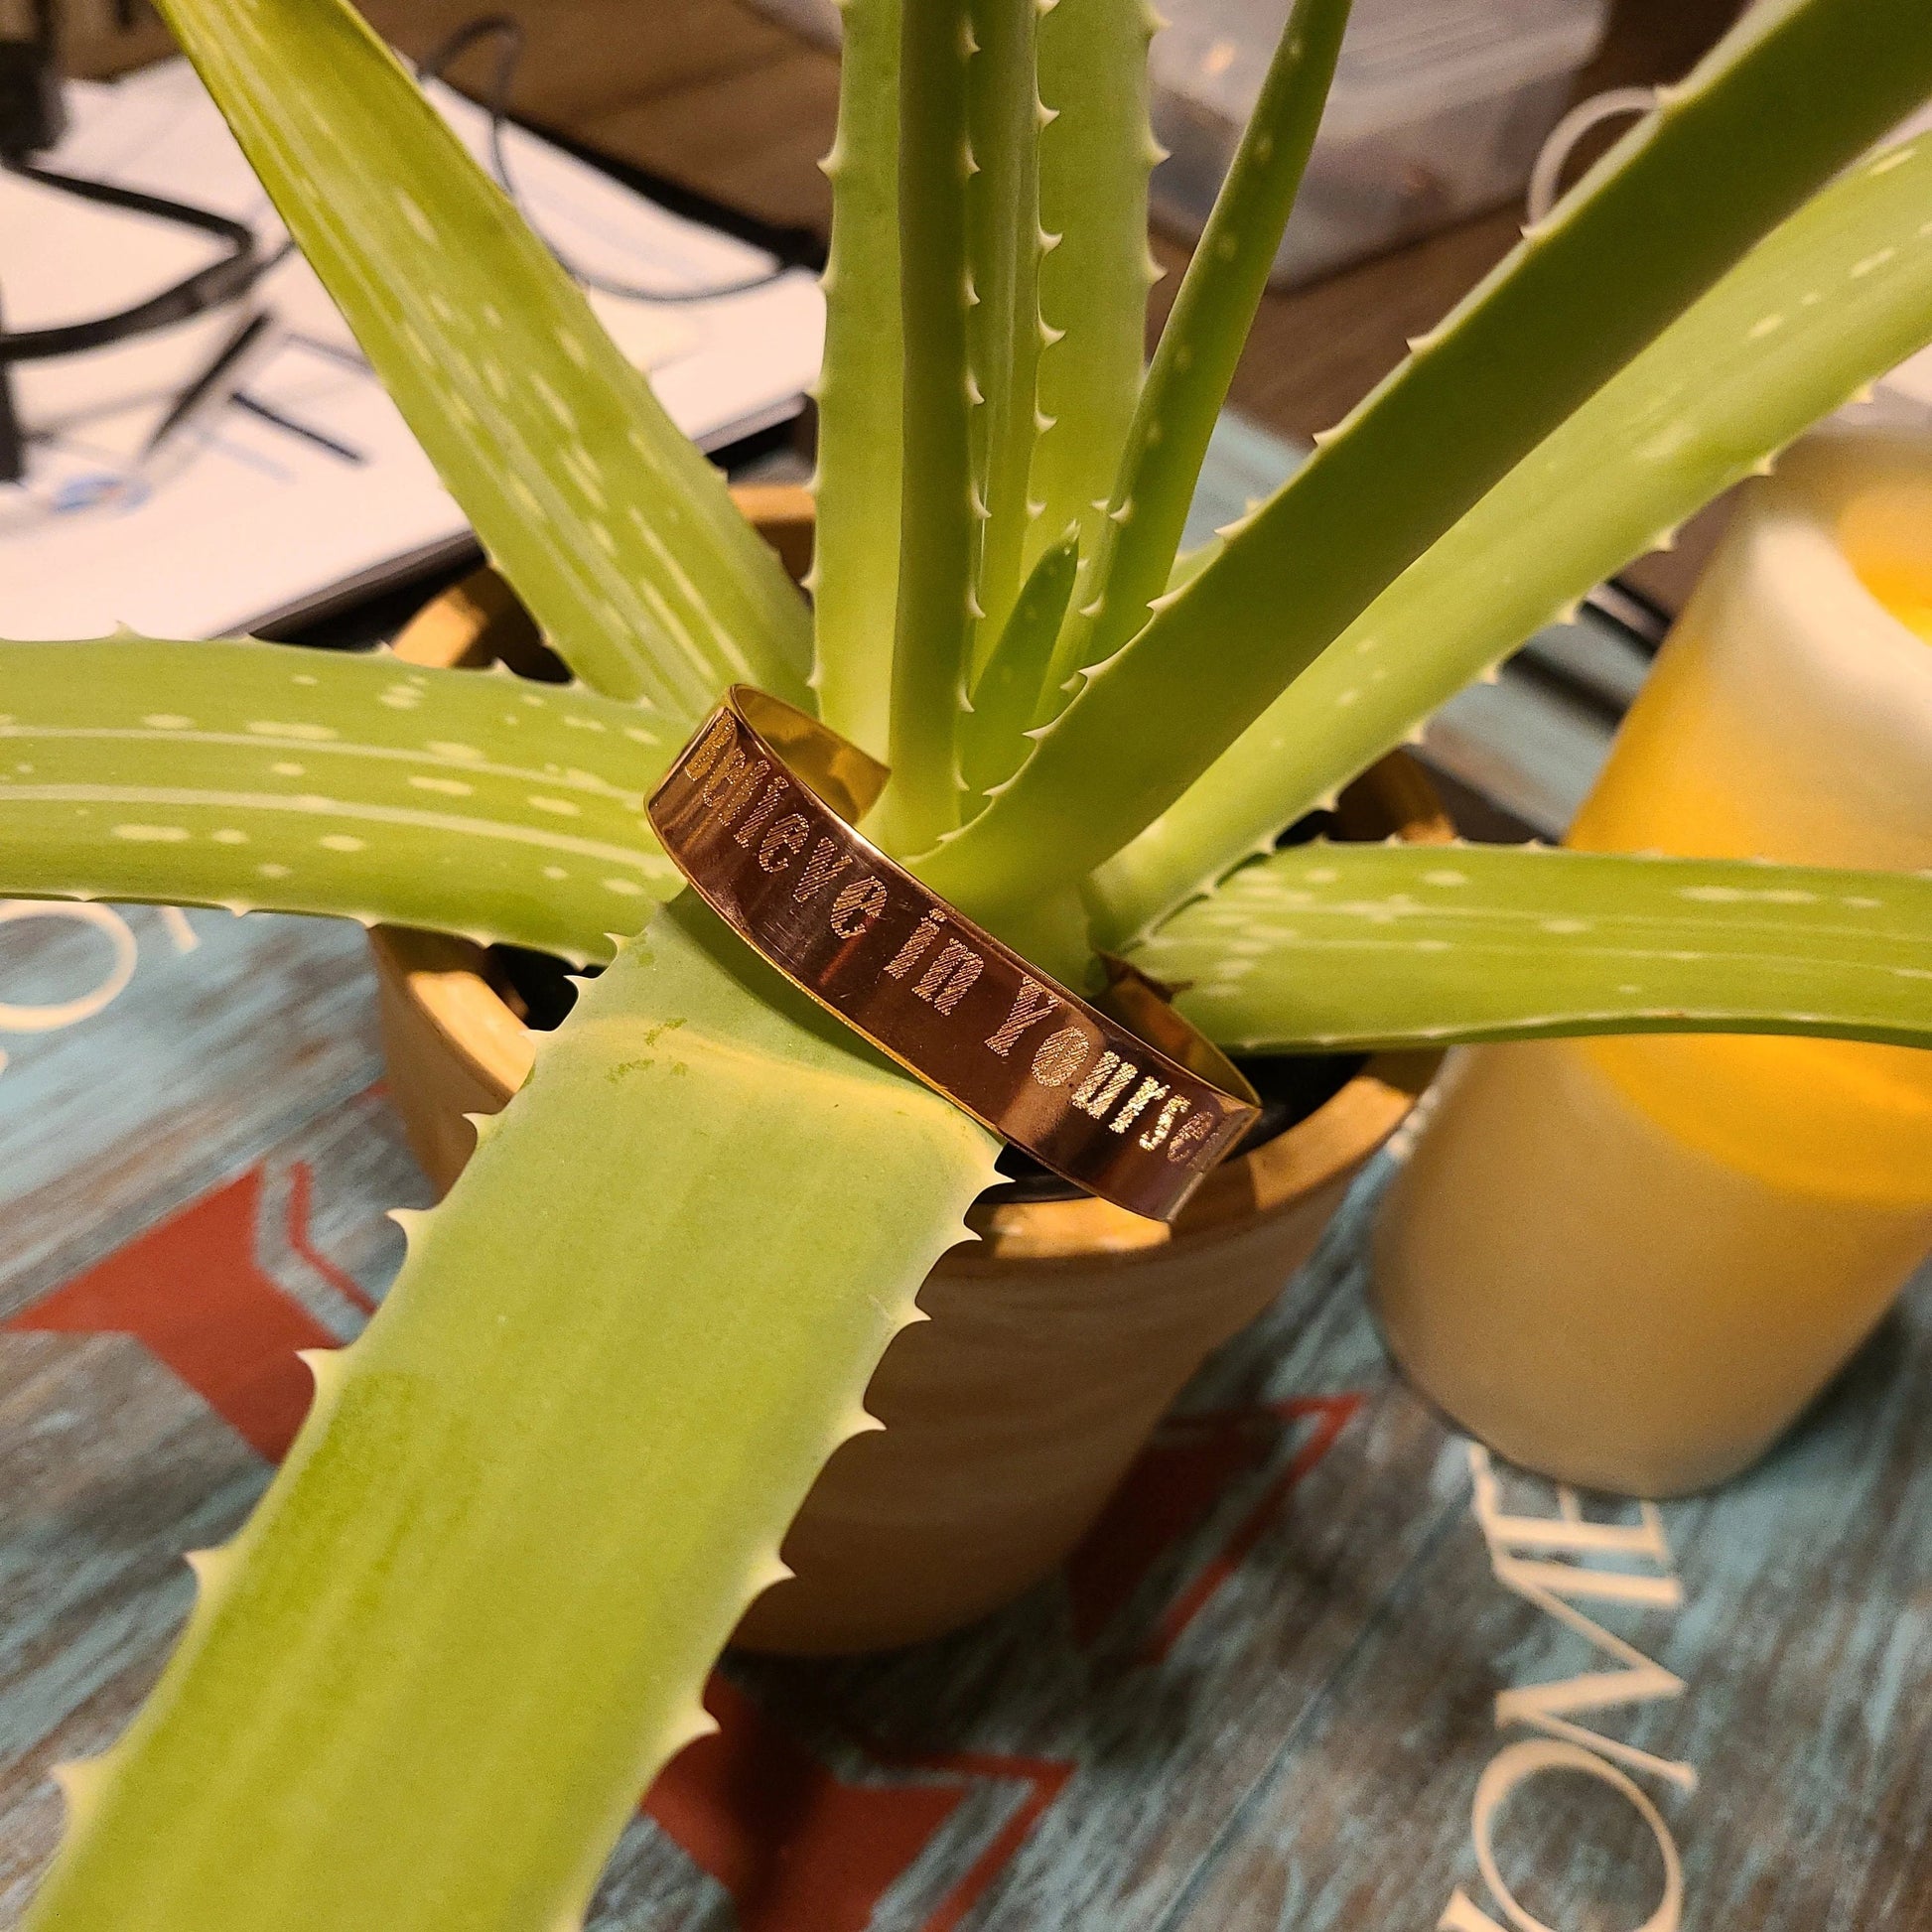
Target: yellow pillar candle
(1630,1262)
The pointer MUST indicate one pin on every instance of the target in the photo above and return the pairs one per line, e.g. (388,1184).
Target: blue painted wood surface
(1265,1694)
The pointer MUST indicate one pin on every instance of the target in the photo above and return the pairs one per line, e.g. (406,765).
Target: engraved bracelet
(1129,1102)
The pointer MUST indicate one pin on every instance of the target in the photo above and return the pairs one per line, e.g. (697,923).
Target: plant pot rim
(443,979)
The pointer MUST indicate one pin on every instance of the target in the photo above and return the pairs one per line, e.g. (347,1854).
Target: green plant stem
(619,536)
(1095,154)
(262,776)
(1732,380)
(938,531)
(425,1687)
(992,739)
(855,559)
(1003,241)
(1792,94)
(1363,946)
(1137,541)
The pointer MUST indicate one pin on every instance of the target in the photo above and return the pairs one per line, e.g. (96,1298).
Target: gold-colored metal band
(1121,1097)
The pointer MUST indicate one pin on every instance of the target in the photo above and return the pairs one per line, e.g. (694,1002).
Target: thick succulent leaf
(1734,379)
(1004,251)
(617,534)
(992,734)
(938,531)
(1095,155)
(1201,343)
(1792,94)
(854,560)
(473,1616)
(1384,945)
(265,776)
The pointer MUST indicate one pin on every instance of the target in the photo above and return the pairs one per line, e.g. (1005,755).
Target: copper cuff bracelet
(1132,1104)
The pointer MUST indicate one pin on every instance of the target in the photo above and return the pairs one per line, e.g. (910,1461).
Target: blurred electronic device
(1438,110)
(240,465)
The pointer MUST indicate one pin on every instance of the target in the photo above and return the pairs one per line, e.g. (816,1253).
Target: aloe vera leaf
(1381,946)
(855,558)
(619,536)
(1732,380)
(1795,92)
(264,776)
(938,531)
(1193,364)
(992,739)
(1002,249)
(472,1616)
(1095,154)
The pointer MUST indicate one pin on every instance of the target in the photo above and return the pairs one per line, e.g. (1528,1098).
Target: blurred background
(1446,103)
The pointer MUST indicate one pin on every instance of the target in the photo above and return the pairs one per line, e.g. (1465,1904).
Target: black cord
(207,288)
(237,271)
(13,444)
(495,104)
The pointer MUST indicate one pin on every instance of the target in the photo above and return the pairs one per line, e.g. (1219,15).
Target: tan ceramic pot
(1057,1340)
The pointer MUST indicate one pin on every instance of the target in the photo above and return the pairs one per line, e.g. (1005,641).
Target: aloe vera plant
(423,1688)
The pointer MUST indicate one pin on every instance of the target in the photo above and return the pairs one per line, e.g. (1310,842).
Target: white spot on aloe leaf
(168,721)
(561,807)
(444,748)
(283,769)
(1443,876)
(412,213)
(452,787)
(1738,894)
(623,887)
(153,834)
(275,728)
(341,842)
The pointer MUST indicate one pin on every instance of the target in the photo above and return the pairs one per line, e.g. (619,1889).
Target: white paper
(240,517)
